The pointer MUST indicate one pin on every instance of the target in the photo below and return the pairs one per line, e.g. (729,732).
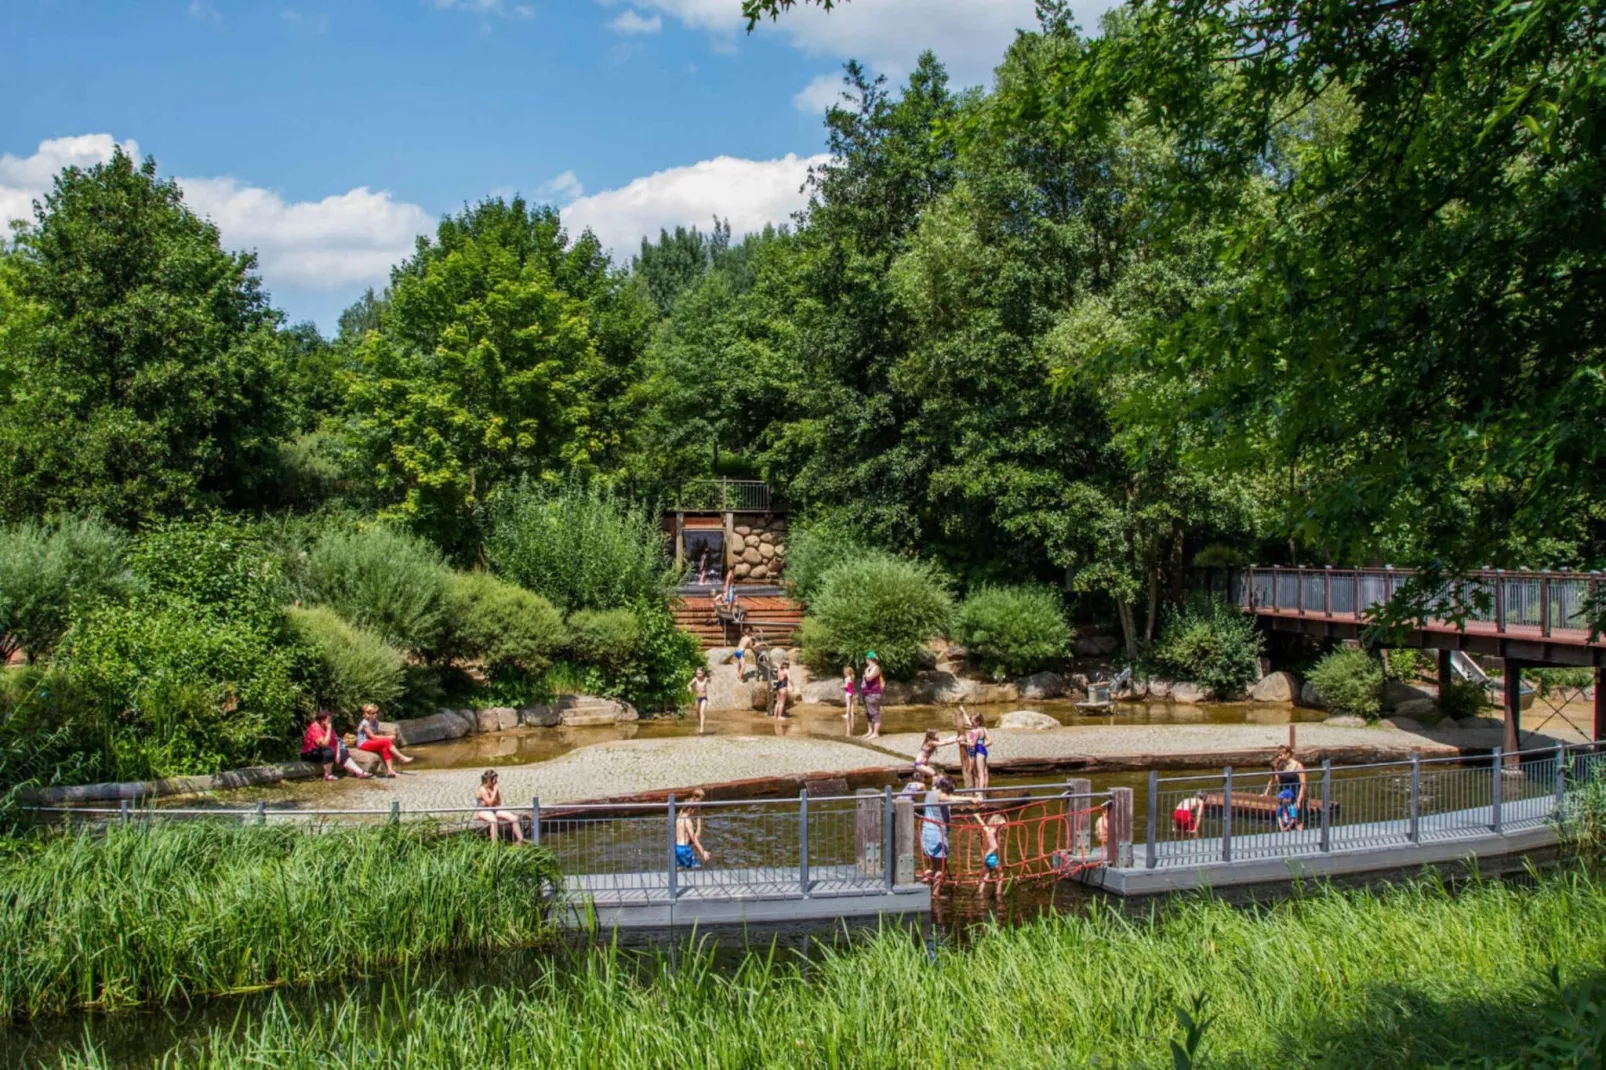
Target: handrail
(726,495)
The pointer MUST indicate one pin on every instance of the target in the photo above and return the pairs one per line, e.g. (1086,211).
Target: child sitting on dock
(1287,813)
(928,747)
(689,852)
(489,800)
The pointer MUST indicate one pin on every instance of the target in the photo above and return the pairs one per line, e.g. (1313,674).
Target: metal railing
(1233,816)
(1543,604)
(726,496)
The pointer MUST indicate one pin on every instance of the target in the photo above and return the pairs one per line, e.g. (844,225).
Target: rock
(1276,687)
(497,719)
(1403,724)
(432,729)
(741,570)
(1309,696)
(1396,692)
(1417,707)
(759,572)
(719,655)
(1096,646)
(540,717)
(1041,685)
(1189,694)
(766,550)
(743,529)
(752,556)
(367,761)
(827,692)
(584,710)
(1079,681)
(1345,720)
(1027,719)
(1160,689)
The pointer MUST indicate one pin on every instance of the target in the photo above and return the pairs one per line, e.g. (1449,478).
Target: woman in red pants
(369,739)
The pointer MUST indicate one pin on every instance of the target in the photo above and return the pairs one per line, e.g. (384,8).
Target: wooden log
(904,844)
(1079,788)
(867,832)
(1264,807)
(1119,847)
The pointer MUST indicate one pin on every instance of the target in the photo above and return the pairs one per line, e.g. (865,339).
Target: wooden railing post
(1544,606)
(1355,603)
(1119,846)
(1151,849)
(1327,589)
(1077,798)
(1226,814)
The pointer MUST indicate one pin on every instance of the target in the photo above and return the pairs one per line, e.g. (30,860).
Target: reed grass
(165,913)
(1413,976)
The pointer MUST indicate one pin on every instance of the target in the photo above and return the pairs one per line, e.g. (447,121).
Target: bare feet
(405,760)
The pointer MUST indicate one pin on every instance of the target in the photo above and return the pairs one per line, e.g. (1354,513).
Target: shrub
(879,602)
(1209,642)
(353,666)
(1350,681)
(46,570)
(580,547)
(604,637)
(498,623)
(1582,818)
(1014,630)
(1548,680)
(390,582)
(814,549)
(42,736)
(665,658)
(217,563)
(1462,698)
(1407,664)
(178,690)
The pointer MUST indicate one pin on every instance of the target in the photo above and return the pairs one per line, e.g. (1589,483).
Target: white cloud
(818,96)
(563,189)
(969,36)
(750,193)
(631,22)
(349,239)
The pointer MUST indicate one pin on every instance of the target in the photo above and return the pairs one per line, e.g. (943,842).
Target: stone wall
(757,547)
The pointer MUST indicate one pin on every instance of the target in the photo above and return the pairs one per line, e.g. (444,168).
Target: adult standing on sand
(872,695)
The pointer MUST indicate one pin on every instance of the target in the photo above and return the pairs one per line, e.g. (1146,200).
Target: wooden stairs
(771,618)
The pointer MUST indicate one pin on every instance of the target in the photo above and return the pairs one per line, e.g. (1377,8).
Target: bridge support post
(1327,805)
(803,881)
(1226,814)
(1150,848)
(1512,691)
(1077,797)
(1119,847)
(674,876)
(1600,705)
(1446,671)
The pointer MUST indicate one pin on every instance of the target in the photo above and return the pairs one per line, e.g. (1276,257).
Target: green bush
(218,563)
(47,570)
(607,638)
(1548,680)
(392,583)
(879,602)
(43,734)
(1462,698)
(814,549)
(499,624)
(1350,681)
(1408,664)
(176,689)
(655,677)
(1014,630)
(353,666)
(1209,642)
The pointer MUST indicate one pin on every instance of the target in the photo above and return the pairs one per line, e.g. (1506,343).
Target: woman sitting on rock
(489,799)
(369,739)
(321,745)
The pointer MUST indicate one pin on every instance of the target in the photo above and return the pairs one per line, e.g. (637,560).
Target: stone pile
(757,547)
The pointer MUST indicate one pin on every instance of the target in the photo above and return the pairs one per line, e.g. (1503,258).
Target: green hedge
(499,624)
(879,602)
(1014,630)
(47,570)
(1350,682)
(392,583)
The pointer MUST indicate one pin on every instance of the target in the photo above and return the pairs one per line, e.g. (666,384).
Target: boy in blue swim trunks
(689,852)
(993,873)
(1287,815)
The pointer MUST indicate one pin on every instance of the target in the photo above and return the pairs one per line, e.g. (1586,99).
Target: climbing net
(1040,840)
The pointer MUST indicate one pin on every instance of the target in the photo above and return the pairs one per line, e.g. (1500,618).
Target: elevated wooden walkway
(768,615)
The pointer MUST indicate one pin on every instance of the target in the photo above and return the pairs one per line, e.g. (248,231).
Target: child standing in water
(689,852)
(977,740)
(783,683)
(849,692)
(991,829)
(928,747)
(699,692)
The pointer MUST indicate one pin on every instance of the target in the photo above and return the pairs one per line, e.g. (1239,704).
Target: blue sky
(326,133)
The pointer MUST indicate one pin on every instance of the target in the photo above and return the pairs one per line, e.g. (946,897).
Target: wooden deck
(770,617)
(734,896)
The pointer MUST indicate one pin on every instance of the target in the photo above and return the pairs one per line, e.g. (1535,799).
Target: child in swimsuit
(1287,814)
(849,691)
(689,852)
(489,800)
(978,740)
(934,821)
(743,645)
(1185,818)
(783,680)
(928,747)
(990,830)
(699,692)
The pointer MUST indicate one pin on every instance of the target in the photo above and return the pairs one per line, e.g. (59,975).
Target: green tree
(143,373)
(668,266)
(502,351)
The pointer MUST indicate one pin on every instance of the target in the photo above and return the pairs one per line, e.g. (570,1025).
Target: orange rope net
(1040,840)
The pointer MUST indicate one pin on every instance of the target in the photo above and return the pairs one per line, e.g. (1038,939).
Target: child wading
(928,747)
(699,692)
(990,830)
(977,740)
(689,852)
(783,684)
(849,690)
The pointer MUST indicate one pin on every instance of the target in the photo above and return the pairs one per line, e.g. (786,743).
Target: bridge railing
(1356,807)
(1542,604)
(726,495)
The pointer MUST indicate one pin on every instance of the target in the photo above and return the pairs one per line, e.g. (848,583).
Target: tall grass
(1408,977)
(171,912)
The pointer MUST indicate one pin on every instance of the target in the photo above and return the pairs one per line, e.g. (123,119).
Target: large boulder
(1309,696)
(580,711)
(720,655)
(1396,692)
(367,761)
(1416,707)
(1345,720)
(1096,646)
(1189,694)
(1404,724)
(540,717)
(1160,689)
(827,692)
(436,728)
(728,692)
(1276,687)
(1041,685)
(497,719)
(1027,719)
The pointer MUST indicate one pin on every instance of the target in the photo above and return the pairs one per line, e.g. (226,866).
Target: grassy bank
(175,911)
(1413,977)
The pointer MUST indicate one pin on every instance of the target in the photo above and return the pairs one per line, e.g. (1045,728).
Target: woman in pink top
(320,744)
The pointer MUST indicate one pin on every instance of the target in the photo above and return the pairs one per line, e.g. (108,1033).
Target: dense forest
(1276,281)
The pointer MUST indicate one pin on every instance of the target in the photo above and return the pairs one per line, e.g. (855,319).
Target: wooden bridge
(1529,619)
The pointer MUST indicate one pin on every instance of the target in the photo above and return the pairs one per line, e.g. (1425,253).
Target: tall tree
(143,370)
